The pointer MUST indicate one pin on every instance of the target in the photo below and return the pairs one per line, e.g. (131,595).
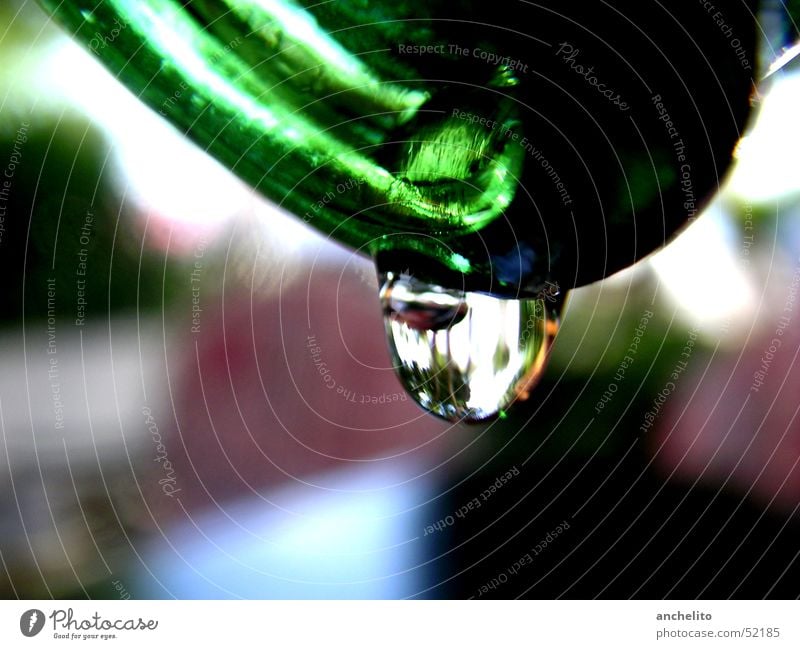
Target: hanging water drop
(464,356)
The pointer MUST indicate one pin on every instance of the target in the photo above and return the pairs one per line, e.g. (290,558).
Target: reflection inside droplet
(465,356)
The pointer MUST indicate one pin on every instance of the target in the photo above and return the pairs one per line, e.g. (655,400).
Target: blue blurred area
(361,542)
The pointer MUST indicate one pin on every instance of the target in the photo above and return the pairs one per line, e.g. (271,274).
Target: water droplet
(465,356)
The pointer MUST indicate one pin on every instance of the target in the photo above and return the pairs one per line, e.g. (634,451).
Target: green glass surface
(499,147)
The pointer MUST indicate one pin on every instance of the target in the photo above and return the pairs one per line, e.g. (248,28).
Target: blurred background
(196,400)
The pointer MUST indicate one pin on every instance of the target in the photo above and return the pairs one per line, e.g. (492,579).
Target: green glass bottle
(506,149)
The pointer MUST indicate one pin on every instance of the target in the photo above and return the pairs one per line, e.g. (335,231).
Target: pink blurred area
(292,387)
(730,424)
